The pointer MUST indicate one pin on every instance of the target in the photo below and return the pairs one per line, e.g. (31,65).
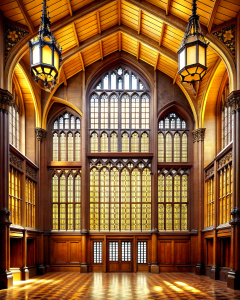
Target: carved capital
(198,134)
(235,216)
(4,216)
(234,100)
(40,133)
(6,99)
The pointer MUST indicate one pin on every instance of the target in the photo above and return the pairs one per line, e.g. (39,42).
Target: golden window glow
(55,146)
(14,124)
(66,199)
(94,142)
(145,106)
(125,111)
(77,146)
(15,199)
(172,200)
(63,146)
(209,207)
(130,212)
(70,147)
(176,152)
(168,147)
(184,147)
(30,195)
(135,111)
(144,142)
(225,195)
(104,142)
(160,147)
(114,112)
(114,142)
(104,112)
(94,111)
(125,142)
(135,142)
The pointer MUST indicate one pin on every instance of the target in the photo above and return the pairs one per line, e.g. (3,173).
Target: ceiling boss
(192,54)
(45,53)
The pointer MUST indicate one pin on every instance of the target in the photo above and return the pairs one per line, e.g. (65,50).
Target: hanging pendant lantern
(192,54)
(45,53)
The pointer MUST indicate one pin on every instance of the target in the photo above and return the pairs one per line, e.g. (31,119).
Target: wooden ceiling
(151,30)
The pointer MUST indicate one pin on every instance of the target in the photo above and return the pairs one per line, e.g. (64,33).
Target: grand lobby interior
(119,149)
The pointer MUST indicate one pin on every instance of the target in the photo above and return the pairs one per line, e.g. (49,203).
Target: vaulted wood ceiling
(151,30)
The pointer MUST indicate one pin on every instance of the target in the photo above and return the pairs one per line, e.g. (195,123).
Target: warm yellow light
(182,61)
(202,55)
(192,55)
(36,54)
(47,55)
(173,287)
(188,287)
(56,60)
(158,289)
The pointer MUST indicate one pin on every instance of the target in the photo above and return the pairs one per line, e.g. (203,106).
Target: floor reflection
(73,285)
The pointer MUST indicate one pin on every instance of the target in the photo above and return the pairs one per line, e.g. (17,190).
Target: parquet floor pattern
(73,285)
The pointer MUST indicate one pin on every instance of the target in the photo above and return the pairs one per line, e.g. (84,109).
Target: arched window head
(66,144)
(14,121)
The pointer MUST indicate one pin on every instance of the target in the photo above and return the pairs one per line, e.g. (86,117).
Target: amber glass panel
(104,216)
(184,188)
(125,142)
(144,142)
(104,185)
(62,216)
(125,197)
(209,203)
(114,217)
(168,216)
(94,142)
(70,147)
(184,224)
(160,147)
(169,188)
(168,147)
(63,146)
(225,195)
(146,186)
(136,186)
(114,112)
(77,146)
(146,216)
(176,151)
(177,188)
(70,217)
(114,142)
(70,188)
(30,195)
(62,188)
(136,216)
(77,216)
(161,214)
(145,111)
(94,216)
(55,147)
(176,217)
(135,142)
(94,197)
(104,142)
(55,188)
(135,112)
(114,191)
(55,217)
(184,147)
(15,201)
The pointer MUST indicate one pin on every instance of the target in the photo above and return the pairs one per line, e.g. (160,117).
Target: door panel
(119,256)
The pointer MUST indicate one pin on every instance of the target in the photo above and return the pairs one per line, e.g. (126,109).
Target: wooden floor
(119,286)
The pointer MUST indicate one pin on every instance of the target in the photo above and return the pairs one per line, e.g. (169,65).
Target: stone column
(233,280)
(198,140)
(42,192)
(6,277)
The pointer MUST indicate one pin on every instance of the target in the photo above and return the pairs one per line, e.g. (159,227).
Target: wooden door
(119,256)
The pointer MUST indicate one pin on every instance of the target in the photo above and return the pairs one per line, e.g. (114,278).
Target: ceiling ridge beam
(123,30)
(213,14)
(119,41)
(70,7)
(25,15)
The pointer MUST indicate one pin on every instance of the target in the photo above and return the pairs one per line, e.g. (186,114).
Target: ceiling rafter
(125,30)
(162,34)
(119,12)
(81,59)
(101,49)
(213,14)
(156,62)
(64,77)
(175,78)
(139,21)
(25,15)
(98,22)
(75,34)
(138,50)
(168,6)
(119,41)
(70,7)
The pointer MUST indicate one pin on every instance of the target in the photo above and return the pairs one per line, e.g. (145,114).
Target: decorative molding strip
(40,133)
(198,134)
(31,172)
(234,100)
(16,161)
(209,172)
(225,160)
(12,36)
(227,37)
(6,100)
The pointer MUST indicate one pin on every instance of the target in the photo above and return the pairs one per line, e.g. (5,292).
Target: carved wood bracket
(198,134)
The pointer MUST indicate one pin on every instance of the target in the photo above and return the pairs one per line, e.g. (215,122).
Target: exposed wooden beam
(124,30)
(119,41)
(101,49)
(25,15)
(64,77)
(162,34)
(81,59)
(70,7)
(223,25)
(75,34)
(119,12)
(156,62)
(139,21)
(138,50)
(168,7)
(213,14)
(98,23)
(175,78)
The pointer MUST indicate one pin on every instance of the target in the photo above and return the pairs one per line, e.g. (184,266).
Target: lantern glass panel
(182,57)
(201,55)
(47,55)
(56,60)
(36,55)
(191,55)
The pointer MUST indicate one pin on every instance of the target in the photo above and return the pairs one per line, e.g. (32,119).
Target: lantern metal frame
(45,38)
(193,36)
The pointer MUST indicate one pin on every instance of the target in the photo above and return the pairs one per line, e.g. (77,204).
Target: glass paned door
(119,256)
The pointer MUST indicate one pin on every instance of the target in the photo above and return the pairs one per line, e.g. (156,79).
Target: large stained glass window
(209,206)
(66,137)
(173,199)
(14,122)
(225,193)
(30,195)
(119,113)
(66,200)
(120,194)
(172,139)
